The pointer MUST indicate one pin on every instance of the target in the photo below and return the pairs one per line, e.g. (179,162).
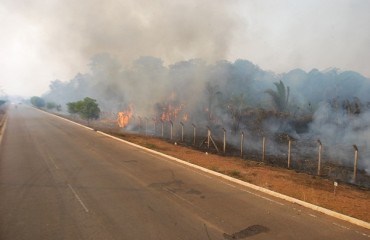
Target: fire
(124,117)
(172,109)
(170,112)
(185,118)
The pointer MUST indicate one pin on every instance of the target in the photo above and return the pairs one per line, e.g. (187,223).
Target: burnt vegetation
(186,100)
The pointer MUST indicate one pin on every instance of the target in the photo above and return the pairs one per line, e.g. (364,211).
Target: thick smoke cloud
(330,105)
(174,30)
(206,89)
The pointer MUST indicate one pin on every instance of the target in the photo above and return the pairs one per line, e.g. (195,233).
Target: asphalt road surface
(62,181)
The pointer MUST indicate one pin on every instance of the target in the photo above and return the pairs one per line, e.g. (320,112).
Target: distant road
(61,181)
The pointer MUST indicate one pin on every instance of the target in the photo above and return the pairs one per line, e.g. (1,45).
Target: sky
(41,41)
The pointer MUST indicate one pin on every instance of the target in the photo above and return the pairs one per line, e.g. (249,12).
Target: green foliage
(37,102)
(74,107)
(235,173)
(87,109)
(50,105)
(280,97)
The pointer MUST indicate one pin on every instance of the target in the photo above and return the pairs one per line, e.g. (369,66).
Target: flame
(124,117)
(185,118)
(172,109)
(170,112)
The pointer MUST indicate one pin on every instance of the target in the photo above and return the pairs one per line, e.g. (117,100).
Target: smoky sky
(64,34)
(46,40)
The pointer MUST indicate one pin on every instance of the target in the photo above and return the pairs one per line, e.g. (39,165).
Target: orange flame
(172,109)
(185,118)
(170,112)
(124,117)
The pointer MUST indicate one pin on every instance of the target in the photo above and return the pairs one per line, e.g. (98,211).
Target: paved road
(61,181)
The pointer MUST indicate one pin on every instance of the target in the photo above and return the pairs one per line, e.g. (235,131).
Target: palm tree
(280,97)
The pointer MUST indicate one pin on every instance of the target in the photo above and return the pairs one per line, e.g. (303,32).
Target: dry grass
(348,200)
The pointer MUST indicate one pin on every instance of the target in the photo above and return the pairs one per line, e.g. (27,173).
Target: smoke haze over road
(43,41)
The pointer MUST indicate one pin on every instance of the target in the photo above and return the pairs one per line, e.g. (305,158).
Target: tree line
(87,108)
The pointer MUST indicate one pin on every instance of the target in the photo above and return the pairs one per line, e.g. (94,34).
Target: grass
(235,173)
(151,146)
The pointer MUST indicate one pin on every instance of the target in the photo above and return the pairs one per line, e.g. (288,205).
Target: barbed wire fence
(341,162)
(347,163)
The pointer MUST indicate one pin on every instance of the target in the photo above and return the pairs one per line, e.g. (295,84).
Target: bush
(87,109)
(50,105)
(37,102)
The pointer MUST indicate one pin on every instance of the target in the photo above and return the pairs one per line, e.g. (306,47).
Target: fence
(313,156)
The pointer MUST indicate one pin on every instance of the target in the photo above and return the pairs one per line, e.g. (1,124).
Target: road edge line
(252,186)
(3,126)
(70,121)
(240,182)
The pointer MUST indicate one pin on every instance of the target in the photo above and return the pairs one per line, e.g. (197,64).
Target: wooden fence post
(194,132)
(171,130)
(263,148)
(241,144)
(289,150)
(319,158)
(224,147)
(182,131)
(139,123)
(162,126)
(146,125)
(355,164)
(208,137)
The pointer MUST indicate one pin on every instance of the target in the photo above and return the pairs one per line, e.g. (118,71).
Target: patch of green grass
(235,173)
(214,168)
(151,146)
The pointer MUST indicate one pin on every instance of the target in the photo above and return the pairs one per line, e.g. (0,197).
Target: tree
(280,97)
(90,109)
(50,105)
(37,102)
(212,92)
(73,107)
(235,107)
(87,109)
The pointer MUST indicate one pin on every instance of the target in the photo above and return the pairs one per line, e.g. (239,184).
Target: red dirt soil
(349,200)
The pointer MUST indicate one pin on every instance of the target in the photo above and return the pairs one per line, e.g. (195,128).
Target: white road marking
(230,185)
(347,228)
(78,198)
(3,128)
(252,186)
(178,196)
(52,160)
(341,226)
(257,195)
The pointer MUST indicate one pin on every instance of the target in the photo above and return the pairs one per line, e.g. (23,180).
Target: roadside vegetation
(87,109)
(314,123)
(3,109)
(37,101)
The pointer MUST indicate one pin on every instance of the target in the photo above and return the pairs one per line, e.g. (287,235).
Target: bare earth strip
(347,199)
